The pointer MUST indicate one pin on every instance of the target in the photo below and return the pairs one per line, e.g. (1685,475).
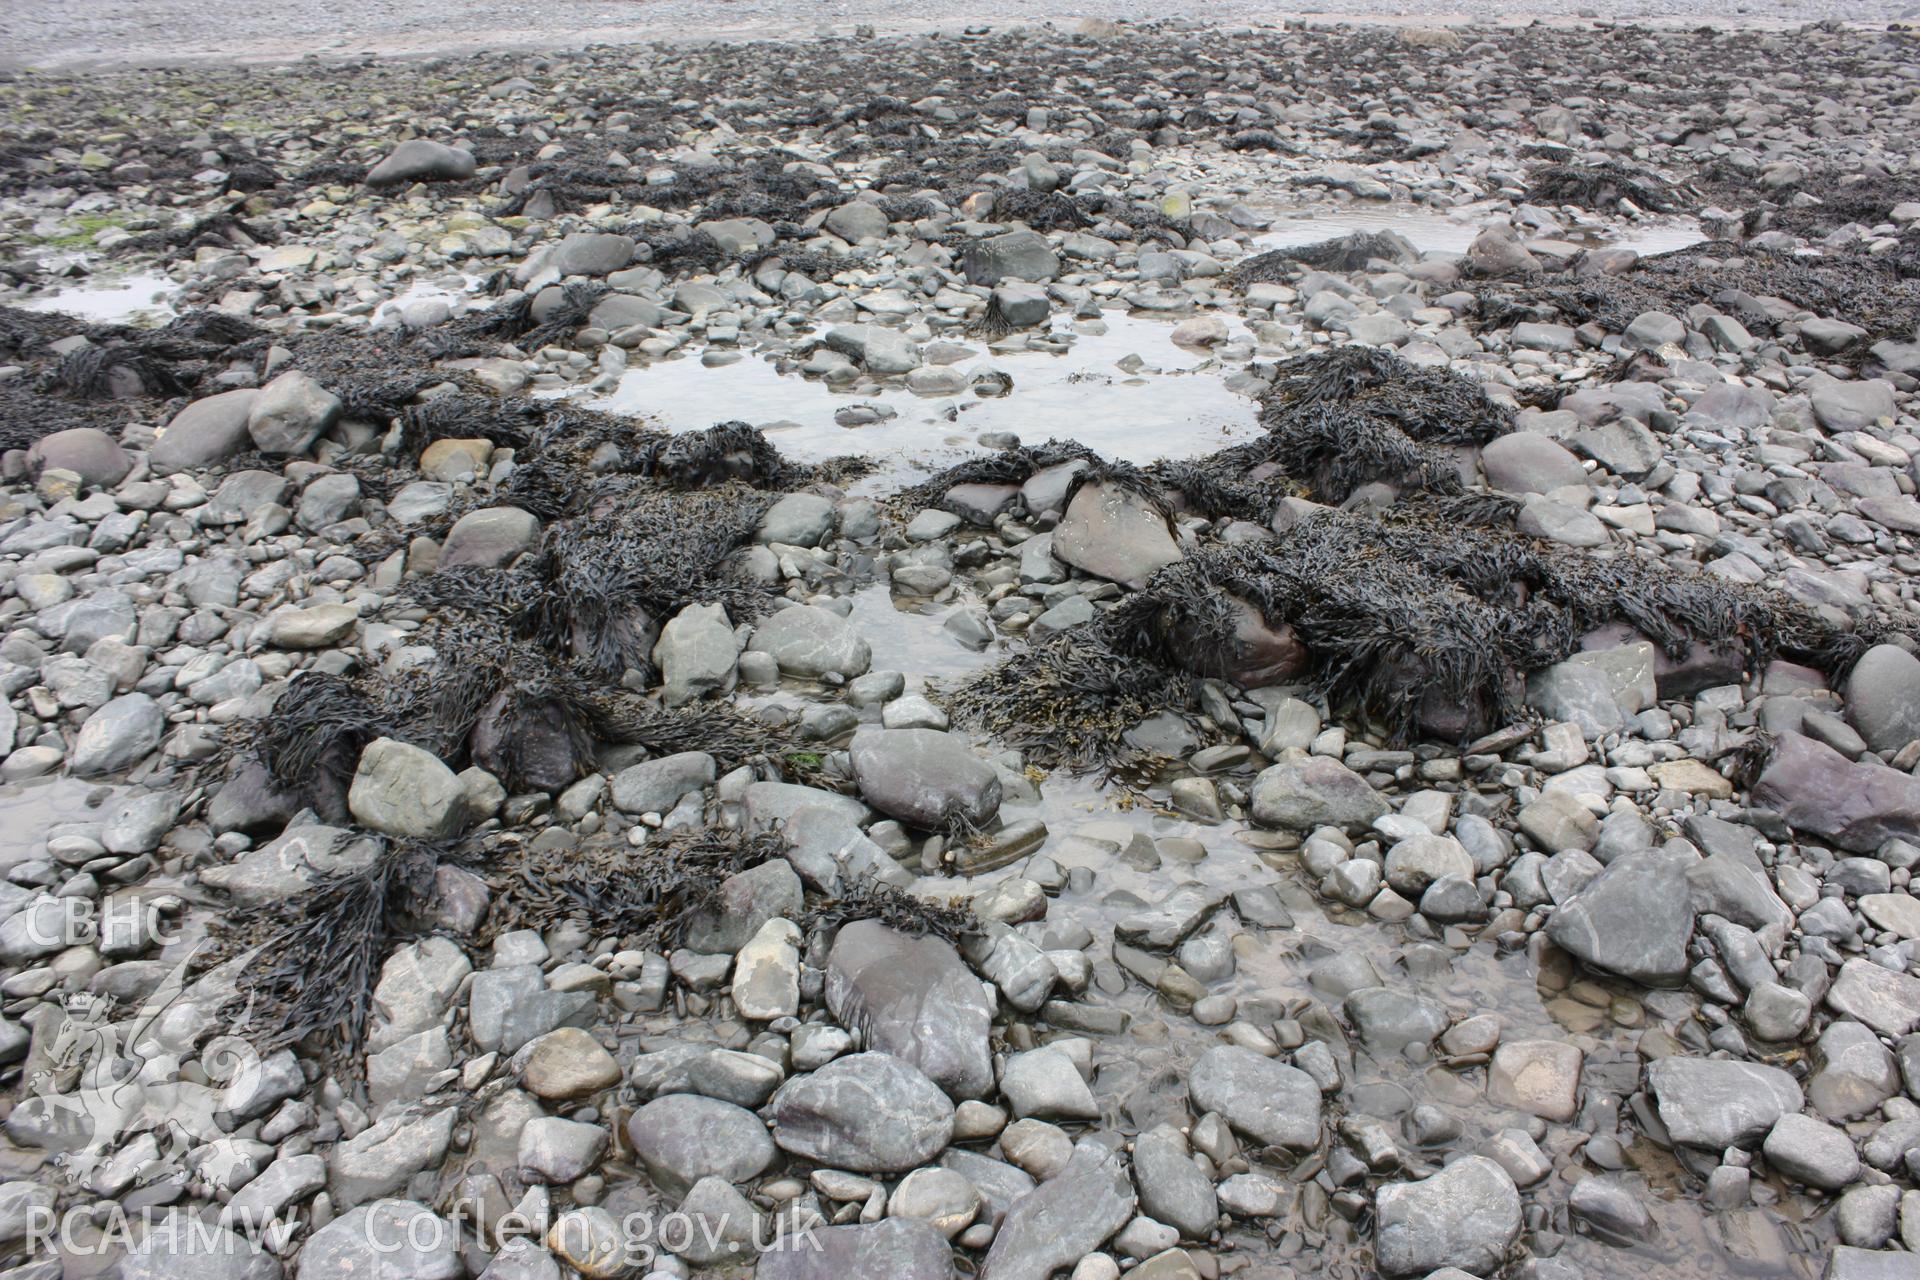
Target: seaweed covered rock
(1315,792)
(925,777)
(916,999)
(1114,532)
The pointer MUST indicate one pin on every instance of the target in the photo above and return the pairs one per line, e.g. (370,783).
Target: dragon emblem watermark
(106,1084)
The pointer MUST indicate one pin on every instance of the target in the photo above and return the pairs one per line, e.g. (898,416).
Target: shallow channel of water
(128,299)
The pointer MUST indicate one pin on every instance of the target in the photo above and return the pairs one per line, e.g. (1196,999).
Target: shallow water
(29,808)
(910,636)
(1431,231)
(1175,406)
(122,300)
(1139,1077)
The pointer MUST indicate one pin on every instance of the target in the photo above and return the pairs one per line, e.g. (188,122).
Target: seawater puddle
(1175,406)
(1432,231)
(123,300)
(910,635)
(1140,1074)
(28,809)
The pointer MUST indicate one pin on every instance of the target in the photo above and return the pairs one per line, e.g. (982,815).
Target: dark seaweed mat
(1425,618)
(1871,292)
(1601,187)
(123,374)
(1352,252)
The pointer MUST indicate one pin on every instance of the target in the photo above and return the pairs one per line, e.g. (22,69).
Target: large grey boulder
(1465,1216)
(916,999)
(1851,405)
(1315,792)
(385,1240)
(116,736)
(1883,697)
(655,786)
(1853,1072)
(746,901)
(1715,1103)
(204,434)
(1015,255)
(1856,806)
(1623,446)
(924,776)
(1172,1188)
(490,538)
(884,351)
(1882,998)
(1527,462)
(798,519)
(1114,533)
(858,220)
(296,860)
(591,253)
(1497,253)
(290,413)
(404,791)
(421,160)
(380,1160)
(811,642)
(683,1138)
(88,452)
(1634,919)
(183,1246)
(891,1249)
(697,654)
(871,1112)
(1064,1219)
(1268,1101)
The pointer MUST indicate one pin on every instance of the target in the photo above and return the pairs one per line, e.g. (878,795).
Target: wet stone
(1065,1218)
(893,1249)
(1317,792)
(421,160)
(916,999)
(924,777)
(682,1138)
(811,642)
(871,1112)
(1540,1077)
(1270,1102)
(1465,1216)
(1712,1103)
(1808,1151)
(1634,919)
